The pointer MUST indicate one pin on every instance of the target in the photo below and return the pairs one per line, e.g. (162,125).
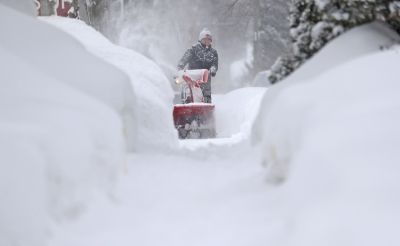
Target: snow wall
(23,6)
(152,91)
(329,135)
(59,142)
(84,72)
(236,110)
(67,118)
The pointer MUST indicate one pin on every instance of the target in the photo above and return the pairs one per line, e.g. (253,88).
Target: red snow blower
(193,119)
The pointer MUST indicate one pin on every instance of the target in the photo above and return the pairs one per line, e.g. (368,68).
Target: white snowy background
(89,154)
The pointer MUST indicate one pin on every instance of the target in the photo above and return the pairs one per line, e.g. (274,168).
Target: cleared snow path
(202,192)
(206,192)
(178,200)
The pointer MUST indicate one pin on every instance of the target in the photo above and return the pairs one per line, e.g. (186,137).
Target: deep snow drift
(335,138)
(83,72)
(153,93)
(61,140)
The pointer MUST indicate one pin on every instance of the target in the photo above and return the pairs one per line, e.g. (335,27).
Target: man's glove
(213,71)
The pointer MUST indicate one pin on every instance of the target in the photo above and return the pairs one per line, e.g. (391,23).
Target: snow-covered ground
(318,167)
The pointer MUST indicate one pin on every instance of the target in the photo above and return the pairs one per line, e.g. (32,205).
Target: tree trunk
(97,13)
(47,7)
(256,50)
(74,12)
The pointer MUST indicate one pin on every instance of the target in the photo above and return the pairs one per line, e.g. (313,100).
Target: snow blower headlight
(178,81)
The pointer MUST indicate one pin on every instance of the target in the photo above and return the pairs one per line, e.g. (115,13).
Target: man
(202,56)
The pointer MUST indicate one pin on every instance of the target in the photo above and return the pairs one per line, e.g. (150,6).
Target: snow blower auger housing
(193,119)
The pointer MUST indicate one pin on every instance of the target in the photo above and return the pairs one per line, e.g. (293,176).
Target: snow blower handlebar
(186,79)
(197,75)
(192,78)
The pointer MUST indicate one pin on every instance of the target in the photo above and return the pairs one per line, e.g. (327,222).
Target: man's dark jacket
(199,56)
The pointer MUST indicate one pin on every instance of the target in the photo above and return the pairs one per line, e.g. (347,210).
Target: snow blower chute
(193,119)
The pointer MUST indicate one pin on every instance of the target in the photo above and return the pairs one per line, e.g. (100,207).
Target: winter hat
(205,34)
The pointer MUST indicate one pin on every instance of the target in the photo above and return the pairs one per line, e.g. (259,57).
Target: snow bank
(73,66)
(335,139)
(24,6)
(152,90)
(236,110)
(60,139)
(261,79)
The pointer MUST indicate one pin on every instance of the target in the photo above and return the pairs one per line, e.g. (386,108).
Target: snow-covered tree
(272,34)
(315,22)
(96,13)
(47,7)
